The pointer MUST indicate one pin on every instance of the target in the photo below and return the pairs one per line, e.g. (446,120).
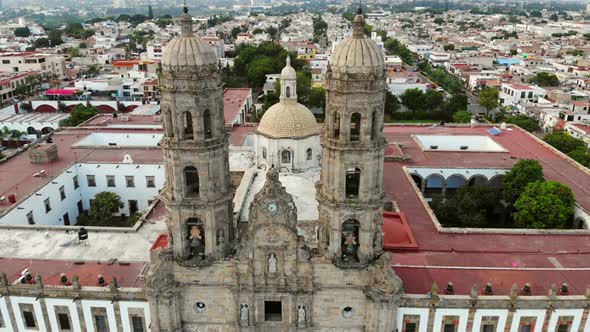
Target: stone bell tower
(350,191)
(198,192)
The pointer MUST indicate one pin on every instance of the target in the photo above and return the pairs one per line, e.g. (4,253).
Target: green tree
(258,70)
(22,32)
(522,173)
(439,21)
(545,79)
(563,142)
(488,98)
(54,37)
(527,123)
(73,51)
(470,206)
(41,43)
(80,114)
(273,32)
(462,117)
(581,155)
(392,103)
(457,103)
(544,205)
(513,51)
(104,205)
(433,100)
(413,99)
(317,98)
(536,13)
(554,17)
(235,31)
(449,47)
(393,46)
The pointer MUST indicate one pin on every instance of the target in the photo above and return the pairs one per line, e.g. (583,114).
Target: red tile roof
(481,258)
(397,232)
(233,100)
(128,274)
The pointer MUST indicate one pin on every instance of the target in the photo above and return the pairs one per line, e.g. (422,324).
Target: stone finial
(450,290)
(552,291)
(474,294)
(3,279)
(76,283)
(434,289)
(526,290)
(114,287)
(514,292)
(488,289)
(39,280)
(564,290)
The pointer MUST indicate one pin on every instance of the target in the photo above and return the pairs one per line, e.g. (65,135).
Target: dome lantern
(288,83)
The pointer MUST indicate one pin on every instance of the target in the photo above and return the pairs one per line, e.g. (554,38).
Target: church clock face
(272,207)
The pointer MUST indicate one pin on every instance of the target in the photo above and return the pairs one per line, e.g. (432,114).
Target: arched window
(350,240)
(355,127)
(191,181)
(374,124)
(31,131)
(288,92)
(336,133)
(309,154)
(353,180)
(207,124)
(263,153)
(187,121)
(285,157)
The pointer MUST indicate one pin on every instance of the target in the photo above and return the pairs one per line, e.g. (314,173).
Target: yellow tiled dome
(288,119)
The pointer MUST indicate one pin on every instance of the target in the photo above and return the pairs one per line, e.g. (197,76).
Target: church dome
(188,50)
(357,54)
(288,120)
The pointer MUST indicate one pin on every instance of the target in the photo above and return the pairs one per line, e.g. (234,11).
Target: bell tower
(350,191)
(198,191)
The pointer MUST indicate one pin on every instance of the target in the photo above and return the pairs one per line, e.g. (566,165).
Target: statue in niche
(272,263)
(197,248)
(244,315)
(301,315)
(350,246)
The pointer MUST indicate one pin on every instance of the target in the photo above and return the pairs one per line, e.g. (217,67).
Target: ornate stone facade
(268,277)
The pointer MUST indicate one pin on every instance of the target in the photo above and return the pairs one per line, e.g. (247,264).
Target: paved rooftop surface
(502,259)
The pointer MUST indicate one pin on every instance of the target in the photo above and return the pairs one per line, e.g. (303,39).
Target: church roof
(188,50)
(288,120)
(357,54)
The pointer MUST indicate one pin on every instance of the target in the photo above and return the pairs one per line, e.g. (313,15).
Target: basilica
(265,275)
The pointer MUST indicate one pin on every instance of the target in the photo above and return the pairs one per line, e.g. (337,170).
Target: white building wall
(35,203)
(298,148)
(140,192)
(82,317)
